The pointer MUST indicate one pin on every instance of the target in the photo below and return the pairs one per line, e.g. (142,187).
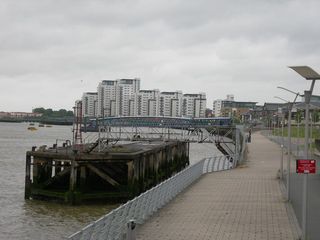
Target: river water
(21,219)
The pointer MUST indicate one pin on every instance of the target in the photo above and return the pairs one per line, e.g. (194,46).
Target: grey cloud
(219,47)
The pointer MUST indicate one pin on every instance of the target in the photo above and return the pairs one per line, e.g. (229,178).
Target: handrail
(113,224)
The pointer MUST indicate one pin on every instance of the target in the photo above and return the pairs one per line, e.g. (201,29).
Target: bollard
(131,230)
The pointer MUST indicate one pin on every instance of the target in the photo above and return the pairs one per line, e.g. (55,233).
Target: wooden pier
(94,172)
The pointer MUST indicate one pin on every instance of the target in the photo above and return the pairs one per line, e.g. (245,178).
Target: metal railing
(114,224)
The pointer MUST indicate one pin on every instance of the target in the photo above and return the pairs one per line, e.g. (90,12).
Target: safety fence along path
(114,225)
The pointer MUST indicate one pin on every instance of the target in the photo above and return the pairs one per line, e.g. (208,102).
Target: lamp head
(306,72)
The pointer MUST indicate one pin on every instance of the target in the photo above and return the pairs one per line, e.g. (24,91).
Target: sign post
(305,167)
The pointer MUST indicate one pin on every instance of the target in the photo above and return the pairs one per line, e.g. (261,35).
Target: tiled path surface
(241,204)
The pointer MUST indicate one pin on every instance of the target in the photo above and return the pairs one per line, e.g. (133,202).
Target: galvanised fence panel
(296,185)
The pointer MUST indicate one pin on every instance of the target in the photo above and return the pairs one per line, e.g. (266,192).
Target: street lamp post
(282,140)
(290,106)
(309,74)
(282,145)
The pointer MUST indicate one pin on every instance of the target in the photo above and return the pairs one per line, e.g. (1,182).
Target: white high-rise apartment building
(170,104)
(126,90)
(194,105)
(89,104)
(107,91)
(115,97)
(147,103)
(216,110)
(123,97)
(230,97)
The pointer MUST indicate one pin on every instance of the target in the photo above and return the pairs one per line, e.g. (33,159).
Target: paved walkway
(244,203)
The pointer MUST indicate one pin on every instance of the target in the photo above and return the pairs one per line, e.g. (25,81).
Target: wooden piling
(27,188)
(117,173)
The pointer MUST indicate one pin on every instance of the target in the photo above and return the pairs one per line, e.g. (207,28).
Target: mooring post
(57,167)
(130,171)
(27,188)
(73,176)
(82,176)
(73,179)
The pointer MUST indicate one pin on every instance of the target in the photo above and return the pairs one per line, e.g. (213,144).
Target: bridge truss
(223,137)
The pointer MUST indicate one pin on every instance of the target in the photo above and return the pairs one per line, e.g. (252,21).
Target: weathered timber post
(48,169)
(57,167)
(27,188)
(83,176)
(130,173)
(35,170)
(73,181)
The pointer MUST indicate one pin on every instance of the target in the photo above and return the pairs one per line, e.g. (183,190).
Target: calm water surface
(20,219)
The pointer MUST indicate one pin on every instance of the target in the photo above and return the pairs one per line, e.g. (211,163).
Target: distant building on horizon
(194,105)
(217,105)
(147,103)
(89,104)
(19,114)
(123,97)
(170,104)
(231,108)
(115,97)
(107,90)
(126,90)
(238,109)
(230,97)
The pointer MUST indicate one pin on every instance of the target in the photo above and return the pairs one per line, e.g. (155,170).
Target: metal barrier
(296,185)
(115,224)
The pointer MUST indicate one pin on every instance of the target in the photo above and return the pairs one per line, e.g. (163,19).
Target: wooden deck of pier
(245,203)
(81,173)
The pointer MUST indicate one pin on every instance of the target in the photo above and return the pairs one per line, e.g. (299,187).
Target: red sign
(306,166)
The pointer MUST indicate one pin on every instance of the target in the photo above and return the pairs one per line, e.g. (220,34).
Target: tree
(39,110)
(51,113)
(315,116)
(208,112)
(299,116)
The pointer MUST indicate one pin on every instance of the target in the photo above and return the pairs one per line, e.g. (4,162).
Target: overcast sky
(53,51)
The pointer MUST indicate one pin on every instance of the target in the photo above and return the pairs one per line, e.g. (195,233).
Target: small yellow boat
(32,128)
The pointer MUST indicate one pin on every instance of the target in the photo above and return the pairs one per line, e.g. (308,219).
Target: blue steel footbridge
(160,122)
(219,130)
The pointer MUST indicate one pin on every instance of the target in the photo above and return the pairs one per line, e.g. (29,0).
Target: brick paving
(245,203)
